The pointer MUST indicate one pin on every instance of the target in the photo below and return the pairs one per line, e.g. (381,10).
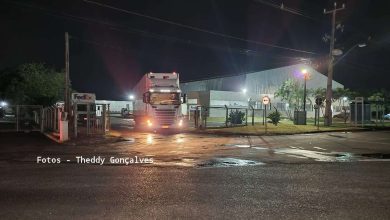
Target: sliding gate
(90,119)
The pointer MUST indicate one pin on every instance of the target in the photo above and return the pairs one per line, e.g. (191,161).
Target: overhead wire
(195,28)
(123,29)
(287,9)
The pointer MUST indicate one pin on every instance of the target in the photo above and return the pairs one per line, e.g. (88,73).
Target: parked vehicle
(160,106)
(125,113)
(387,116)
(341,115)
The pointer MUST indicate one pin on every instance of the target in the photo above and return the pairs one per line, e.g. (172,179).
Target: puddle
(335,135)
(245,146)
(228,162)
(237,145)
(332,156)
(185,162)
(316,155)
(260,148)
(319,148)
(128,139)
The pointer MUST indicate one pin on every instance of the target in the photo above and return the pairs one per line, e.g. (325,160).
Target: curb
(52,137)
(224,133)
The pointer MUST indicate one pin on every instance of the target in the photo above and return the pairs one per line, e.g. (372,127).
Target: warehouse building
(248,88)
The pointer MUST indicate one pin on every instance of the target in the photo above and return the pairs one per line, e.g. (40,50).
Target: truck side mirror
(146,97)
(184,98)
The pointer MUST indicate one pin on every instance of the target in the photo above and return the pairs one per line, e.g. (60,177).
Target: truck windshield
(165,98)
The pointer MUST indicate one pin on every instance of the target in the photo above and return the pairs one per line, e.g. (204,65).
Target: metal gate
(90,118)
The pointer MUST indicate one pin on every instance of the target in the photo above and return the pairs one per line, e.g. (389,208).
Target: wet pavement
(327,175)
(272,191)
(188,149)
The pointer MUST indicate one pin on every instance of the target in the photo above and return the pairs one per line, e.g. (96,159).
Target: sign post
(266,100)
(317,106)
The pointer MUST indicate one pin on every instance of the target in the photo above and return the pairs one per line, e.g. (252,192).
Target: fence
(52,117)
(89,119)
(21,118)
(218,116)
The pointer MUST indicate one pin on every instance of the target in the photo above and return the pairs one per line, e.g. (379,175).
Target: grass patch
(284,127)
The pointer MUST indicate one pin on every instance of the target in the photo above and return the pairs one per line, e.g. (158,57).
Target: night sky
(111,49)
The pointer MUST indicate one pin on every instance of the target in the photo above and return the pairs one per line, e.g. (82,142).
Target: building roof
(266,81)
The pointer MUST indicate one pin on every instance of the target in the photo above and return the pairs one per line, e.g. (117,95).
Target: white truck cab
(160,107)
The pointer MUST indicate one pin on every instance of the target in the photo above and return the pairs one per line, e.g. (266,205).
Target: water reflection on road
(201,150)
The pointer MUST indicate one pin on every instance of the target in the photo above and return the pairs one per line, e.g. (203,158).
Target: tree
(32,83)
(291,92)
(384,95)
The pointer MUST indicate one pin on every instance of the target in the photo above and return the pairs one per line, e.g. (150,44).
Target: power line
(287,9)
(128,30)
(196,28)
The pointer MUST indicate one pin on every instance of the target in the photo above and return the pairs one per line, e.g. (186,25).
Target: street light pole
(329,94)
(66,92)
(304,91)
(304,97)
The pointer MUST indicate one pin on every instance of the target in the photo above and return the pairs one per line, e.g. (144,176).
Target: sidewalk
(283,128)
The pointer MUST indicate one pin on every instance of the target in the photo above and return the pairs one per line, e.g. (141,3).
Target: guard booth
(89,118)
(360,111)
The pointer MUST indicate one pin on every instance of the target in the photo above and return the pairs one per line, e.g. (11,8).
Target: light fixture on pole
(305,75)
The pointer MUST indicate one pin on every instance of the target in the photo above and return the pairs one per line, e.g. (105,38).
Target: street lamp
(361,45)
(132,98)
(329,93)
(244,90)
(305,75)
(3,104)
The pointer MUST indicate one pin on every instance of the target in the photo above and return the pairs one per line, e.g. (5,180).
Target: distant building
(116,106)
(238,90)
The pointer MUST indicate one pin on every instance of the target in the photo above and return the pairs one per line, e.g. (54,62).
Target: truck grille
(165,116)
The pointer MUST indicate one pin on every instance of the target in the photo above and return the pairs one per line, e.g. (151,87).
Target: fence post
(75,115)
(253,116)
(104,118)
(17,117)
(264,110)
(246,113)
(205,117)
(41,119)
(227,113)
(88,118)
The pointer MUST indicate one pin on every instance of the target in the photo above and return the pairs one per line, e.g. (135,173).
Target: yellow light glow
(149,139)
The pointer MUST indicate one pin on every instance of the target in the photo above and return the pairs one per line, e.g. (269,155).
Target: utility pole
(328,110)
(66,93)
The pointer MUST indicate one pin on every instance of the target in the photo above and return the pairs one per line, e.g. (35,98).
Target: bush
(236,117)
(275,117)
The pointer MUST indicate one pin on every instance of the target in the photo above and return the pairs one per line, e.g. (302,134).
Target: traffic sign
(266,100)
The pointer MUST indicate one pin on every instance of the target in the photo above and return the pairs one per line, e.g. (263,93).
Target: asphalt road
(318,176)
(277,191)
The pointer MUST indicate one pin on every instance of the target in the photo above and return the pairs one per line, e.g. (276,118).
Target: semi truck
(158,102)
